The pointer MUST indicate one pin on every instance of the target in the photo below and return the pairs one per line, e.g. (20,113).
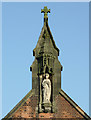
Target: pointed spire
(45,11)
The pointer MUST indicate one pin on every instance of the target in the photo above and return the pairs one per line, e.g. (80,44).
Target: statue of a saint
(46,84)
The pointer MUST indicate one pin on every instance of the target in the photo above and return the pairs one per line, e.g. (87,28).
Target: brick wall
(64,109)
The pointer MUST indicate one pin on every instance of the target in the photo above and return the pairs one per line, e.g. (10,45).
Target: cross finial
(45,11)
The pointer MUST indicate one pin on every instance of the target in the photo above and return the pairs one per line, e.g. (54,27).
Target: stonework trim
(30,93)
(73,104)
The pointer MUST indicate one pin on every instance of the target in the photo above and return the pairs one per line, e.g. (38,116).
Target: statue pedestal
(46,107)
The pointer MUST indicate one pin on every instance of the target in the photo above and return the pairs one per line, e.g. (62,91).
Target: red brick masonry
(64,109)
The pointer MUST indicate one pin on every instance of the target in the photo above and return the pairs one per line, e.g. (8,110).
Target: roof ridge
(29,94)
(74,104)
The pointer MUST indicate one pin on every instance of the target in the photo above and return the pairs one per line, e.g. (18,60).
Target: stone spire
(46,68)
(46,99)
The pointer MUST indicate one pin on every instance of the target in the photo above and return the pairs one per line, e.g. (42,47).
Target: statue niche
(46,89)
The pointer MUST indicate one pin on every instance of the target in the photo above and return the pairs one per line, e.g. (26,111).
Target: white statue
(46,89)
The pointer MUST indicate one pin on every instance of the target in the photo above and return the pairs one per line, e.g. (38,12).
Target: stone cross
(45,11)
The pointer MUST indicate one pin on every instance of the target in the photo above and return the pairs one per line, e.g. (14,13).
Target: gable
(45,100)
(66,108)
(70,107)
(19,105)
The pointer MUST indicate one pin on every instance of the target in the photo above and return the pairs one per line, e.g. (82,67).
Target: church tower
(46,99)
(46,68)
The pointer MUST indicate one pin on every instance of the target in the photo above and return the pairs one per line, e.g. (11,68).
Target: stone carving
(46,84)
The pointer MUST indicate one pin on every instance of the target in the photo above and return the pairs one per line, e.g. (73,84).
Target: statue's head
(47,75)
